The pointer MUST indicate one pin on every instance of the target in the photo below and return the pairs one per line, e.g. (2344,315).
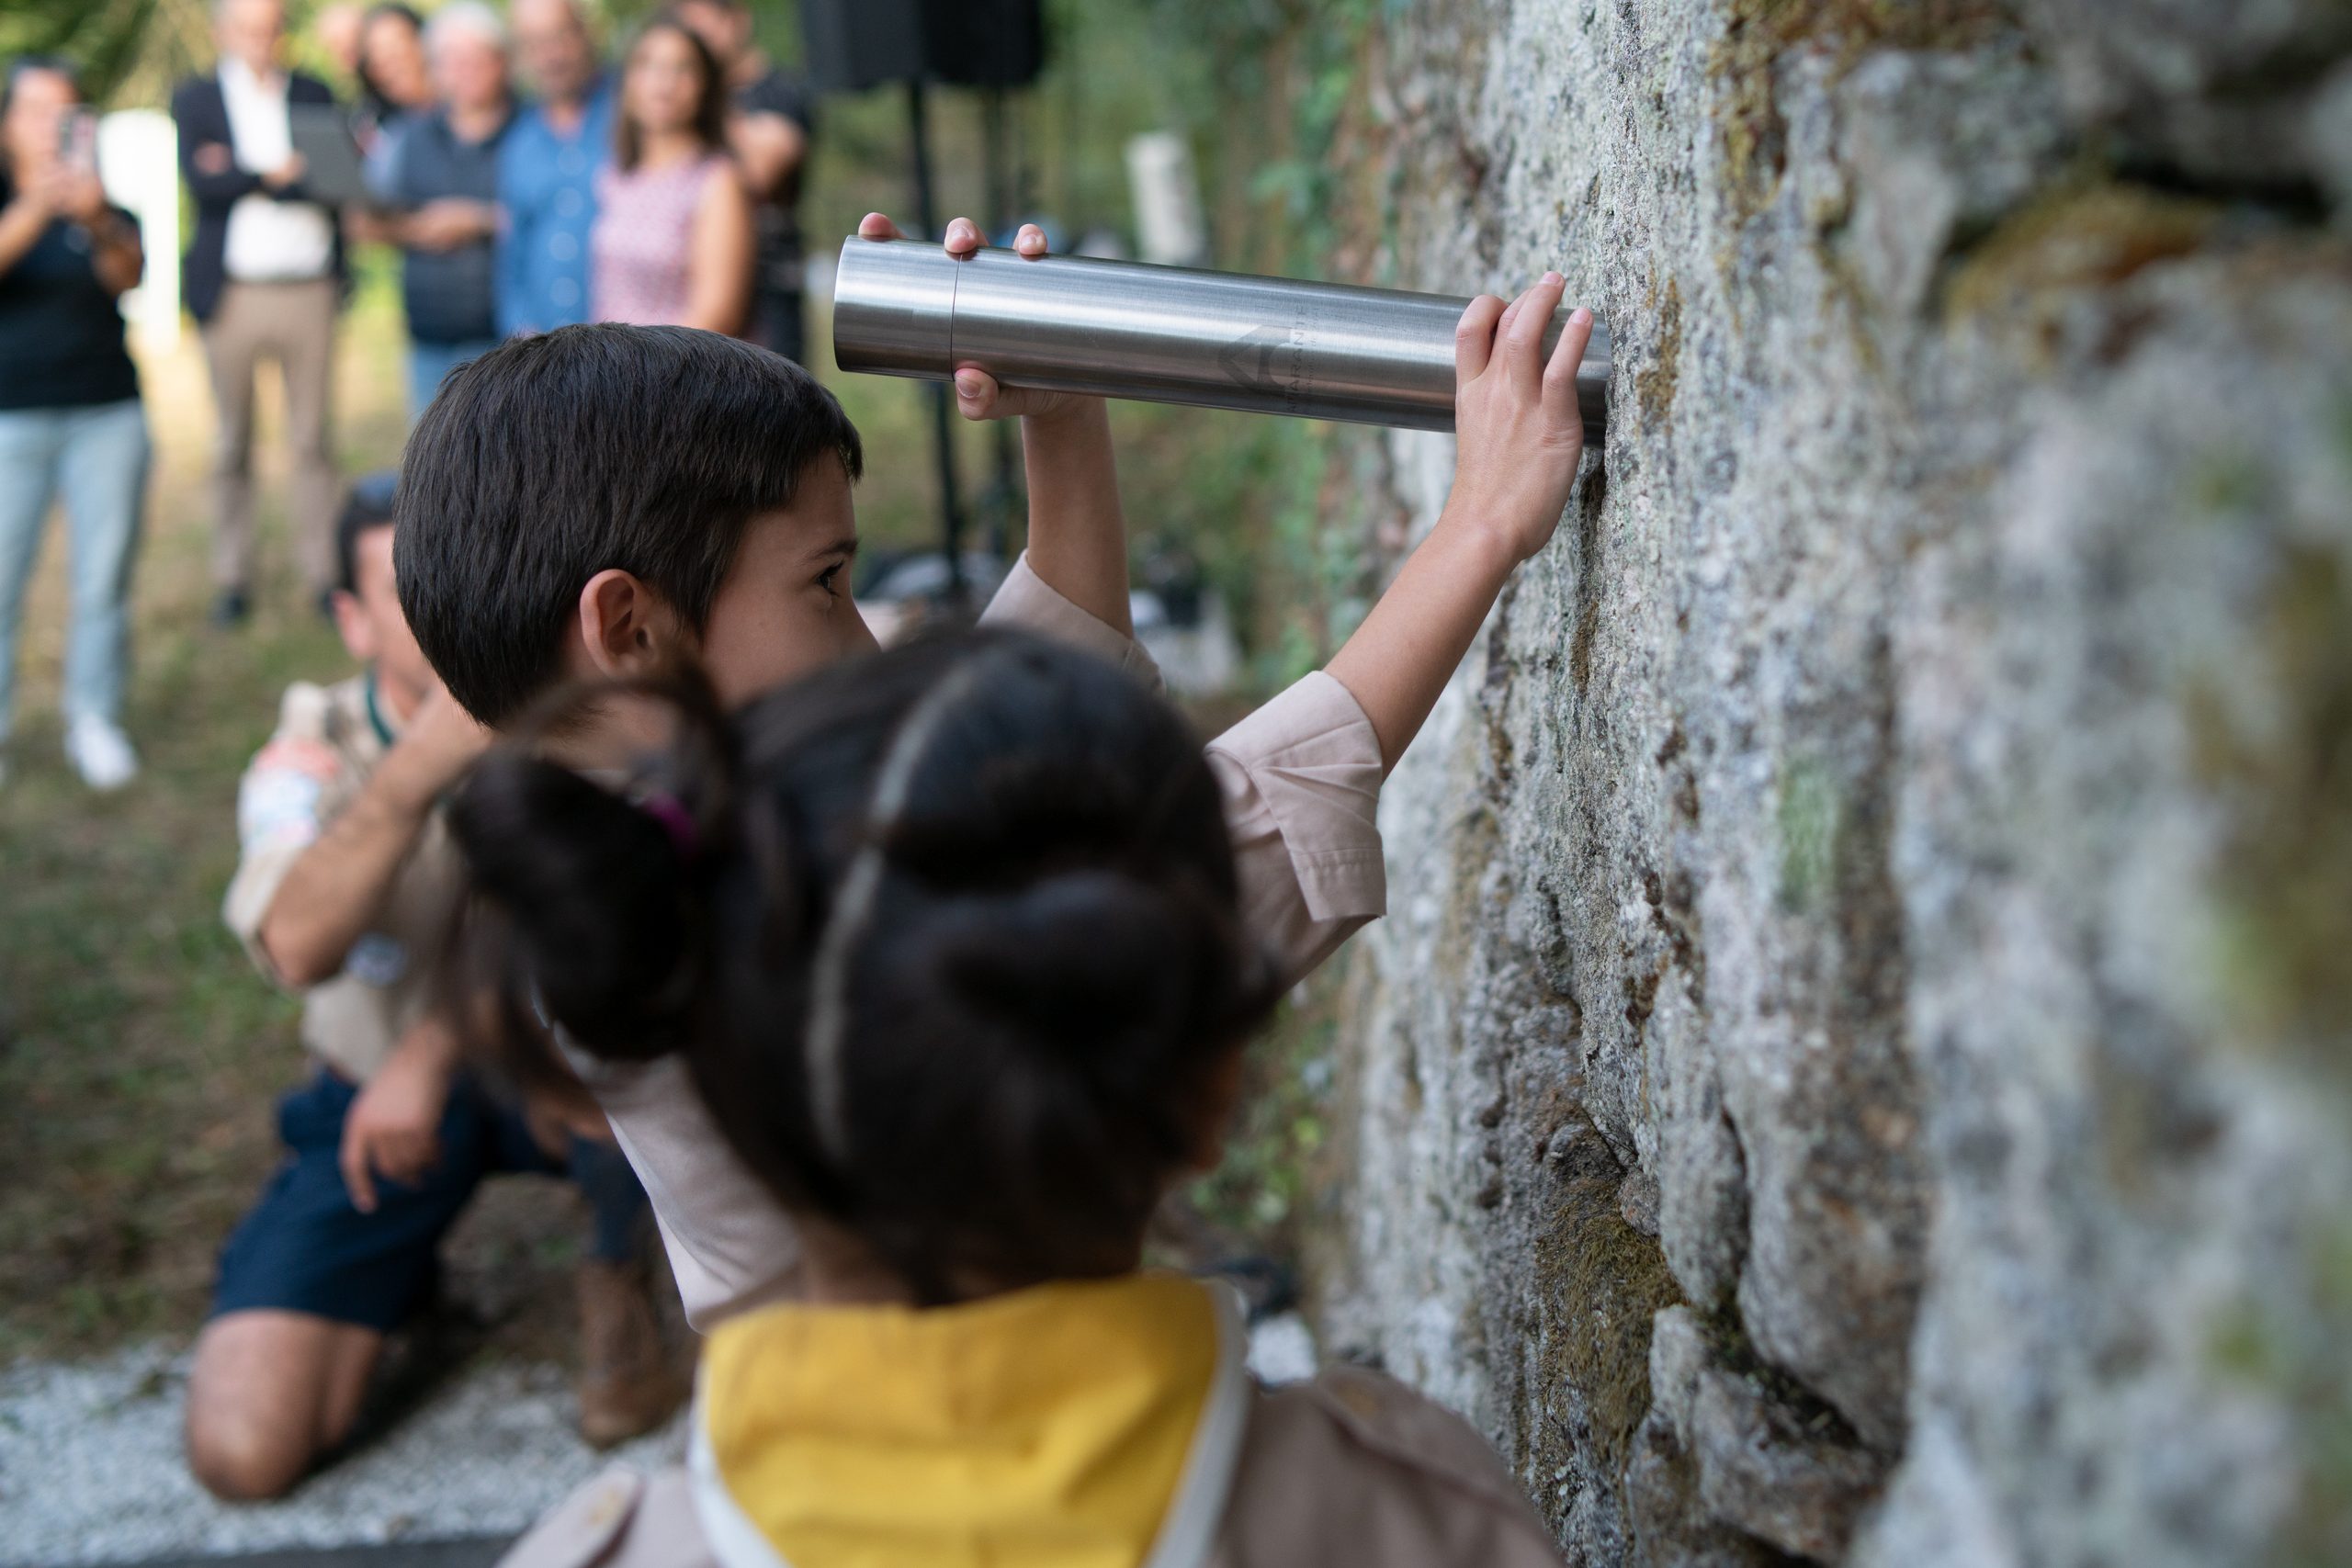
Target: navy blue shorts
(304,1248)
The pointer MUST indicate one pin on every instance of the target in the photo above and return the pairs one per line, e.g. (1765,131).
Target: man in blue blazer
(264,279)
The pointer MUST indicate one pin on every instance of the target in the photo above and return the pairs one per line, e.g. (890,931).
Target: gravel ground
(90,1466)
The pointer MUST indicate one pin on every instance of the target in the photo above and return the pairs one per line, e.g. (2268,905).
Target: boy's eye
(826,579)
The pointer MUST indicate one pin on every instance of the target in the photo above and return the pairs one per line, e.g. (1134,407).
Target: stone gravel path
(90,1467)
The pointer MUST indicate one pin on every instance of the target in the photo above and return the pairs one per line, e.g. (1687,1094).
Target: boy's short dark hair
(591,449)
(366,509)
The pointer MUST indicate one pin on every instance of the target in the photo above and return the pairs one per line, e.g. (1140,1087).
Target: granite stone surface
(1857,1066)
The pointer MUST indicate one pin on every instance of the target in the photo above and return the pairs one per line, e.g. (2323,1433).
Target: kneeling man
(346,891)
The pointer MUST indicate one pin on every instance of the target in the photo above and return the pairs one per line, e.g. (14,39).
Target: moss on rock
(2083,235)
(1602,1282)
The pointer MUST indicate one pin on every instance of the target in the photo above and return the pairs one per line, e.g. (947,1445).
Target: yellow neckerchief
(1089,1424)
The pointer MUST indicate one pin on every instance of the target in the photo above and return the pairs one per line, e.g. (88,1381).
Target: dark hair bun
(595,894)
(1030,1064)
(1156,964)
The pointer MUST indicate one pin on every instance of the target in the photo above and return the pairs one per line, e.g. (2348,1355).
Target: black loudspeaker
(856,44)
(984,43)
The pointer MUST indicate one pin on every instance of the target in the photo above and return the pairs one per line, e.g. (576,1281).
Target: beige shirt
(1300,778)
(328,742)
(1350,1471)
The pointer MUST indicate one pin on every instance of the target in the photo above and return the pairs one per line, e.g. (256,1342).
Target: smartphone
(77,140)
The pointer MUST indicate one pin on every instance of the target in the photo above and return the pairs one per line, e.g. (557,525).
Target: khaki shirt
(329,740)
(1352,1469)
(1301,782)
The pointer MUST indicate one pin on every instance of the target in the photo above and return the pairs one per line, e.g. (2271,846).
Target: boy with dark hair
(634,459)
(346,891)
(602,502)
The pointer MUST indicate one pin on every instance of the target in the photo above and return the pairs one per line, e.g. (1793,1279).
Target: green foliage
(131,52)
(2286,1346)
(2287,787)
(1809,815)
(105,37)
(1258,1187)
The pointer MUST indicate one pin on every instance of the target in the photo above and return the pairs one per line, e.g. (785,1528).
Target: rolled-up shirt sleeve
(1301,781)
(1025,602)
(1300,778)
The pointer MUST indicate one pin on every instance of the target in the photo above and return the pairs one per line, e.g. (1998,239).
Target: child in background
(604,502)
(950,941)
(347,891)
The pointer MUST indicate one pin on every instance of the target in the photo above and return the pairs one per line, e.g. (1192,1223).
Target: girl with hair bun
(949,941)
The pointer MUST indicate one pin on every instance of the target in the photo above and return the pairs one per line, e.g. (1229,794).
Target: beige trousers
(292,323)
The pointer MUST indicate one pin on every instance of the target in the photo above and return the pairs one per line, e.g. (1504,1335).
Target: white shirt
(269,241)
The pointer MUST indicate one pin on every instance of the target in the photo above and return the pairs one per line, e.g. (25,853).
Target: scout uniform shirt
(328,742)
(1080,1424)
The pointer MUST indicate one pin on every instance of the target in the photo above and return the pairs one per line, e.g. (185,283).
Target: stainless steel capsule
(1166,334)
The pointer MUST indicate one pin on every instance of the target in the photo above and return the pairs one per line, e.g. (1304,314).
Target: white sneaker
(101,753)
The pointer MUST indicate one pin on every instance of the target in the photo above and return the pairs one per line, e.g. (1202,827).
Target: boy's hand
(393,1129)
(978,396)
(1518,434)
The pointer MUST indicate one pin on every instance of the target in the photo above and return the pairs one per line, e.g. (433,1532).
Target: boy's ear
(357,631)
(626,628)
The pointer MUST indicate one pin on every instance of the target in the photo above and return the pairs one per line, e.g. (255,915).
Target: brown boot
(629,1383)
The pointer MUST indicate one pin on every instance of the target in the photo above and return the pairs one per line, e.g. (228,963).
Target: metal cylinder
(1165,335)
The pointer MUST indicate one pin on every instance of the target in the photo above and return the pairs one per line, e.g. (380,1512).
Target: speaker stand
(942,416)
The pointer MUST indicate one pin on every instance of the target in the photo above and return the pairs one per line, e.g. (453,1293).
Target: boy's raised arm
(1077,532)
(1520,439)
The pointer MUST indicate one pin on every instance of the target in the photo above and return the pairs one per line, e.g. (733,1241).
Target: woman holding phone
(70,420)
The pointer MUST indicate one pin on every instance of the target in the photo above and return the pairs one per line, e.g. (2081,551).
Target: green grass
(138,1051)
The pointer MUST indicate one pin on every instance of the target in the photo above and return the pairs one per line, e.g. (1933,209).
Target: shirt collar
(238,77)
(1075,1423)
(377,719)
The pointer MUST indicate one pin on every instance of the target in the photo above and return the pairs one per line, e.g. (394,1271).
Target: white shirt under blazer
(269,241)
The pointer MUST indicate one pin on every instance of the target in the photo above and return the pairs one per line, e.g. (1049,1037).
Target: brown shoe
(629,1383)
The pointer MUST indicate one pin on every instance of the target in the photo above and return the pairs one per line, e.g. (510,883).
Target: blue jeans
(429,364)
(97,459)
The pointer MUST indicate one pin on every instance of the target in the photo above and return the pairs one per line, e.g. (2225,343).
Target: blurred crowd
(529,178)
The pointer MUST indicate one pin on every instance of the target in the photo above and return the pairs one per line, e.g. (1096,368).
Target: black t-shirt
(779,92)
(450,296)
(61,332)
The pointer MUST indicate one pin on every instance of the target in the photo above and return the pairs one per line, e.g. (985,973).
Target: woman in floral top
(673,244)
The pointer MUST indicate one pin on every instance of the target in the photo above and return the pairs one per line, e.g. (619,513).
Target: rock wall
(1856,1068)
